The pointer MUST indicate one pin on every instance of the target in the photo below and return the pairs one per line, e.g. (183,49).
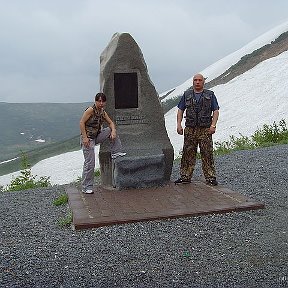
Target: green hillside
(23,123)
(41,152)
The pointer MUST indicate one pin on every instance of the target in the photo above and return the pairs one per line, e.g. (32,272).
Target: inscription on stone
(131,119)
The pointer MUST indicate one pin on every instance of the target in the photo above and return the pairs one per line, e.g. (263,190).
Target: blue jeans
(89,156)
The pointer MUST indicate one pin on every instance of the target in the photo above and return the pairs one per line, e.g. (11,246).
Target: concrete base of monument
(141,171)
(111,206)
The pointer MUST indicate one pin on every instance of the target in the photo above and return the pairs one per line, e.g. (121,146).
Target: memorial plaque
(126,90)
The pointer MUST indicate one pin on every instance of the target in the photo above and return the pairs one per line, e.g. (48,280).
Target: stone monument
(134,106)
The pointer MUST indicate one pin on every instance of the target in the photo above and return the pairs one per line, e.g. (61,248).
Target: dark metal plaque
(126,90)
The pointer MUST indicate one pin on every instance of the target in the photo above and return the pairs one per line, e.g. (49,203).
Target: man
(202,112)
(92,134)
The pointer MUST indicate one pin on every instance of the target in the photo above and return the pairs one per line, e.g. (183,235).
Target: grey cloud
(50,50)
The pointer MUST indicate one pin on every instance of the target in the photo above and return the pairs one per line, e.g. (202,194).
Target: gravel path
(243,249)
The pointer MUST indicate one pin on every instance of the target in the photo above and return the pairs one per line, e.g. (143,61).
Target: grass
(268,135)
(66,220)
(97,173)
(61,200)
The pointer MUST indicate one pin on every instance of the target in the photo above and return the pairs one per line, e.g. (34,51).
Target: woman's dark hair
(100,95)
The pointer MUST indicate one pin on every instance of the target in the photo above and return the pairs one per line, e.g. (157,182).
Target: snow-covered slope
(223,64)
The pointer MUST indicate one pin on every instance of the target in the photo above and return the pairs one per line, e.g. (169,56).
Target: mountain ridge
(220,66)
(247,62)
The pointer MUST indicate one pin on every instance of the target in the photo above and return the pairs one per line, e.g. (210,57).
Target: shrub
(271,134)
(234,143)
(266,136)
(26,180)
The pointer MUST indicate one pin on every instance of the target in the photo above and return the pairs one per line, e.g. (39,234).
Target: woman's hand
(113,135)
(86,142)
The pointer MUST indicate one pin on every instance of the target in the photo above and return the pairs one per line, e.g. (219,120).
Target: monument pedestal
(139,169)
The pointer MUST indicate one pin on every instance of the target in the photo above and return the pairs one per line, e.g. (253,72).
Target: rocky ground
(243,249)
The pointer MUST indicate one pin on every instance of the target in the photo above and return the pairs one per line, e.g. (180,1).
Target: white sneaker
(118,154)
(88,191)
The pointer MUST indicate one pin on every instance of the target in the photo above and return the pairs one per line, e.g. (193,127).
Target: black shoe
(182,181)
(212,182)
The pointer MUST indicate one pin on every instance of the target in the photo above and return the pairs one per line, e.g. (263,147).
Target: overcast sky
(50,50)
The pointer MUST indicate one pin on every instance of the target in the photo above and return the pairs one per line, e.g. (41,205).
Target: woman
(92,133)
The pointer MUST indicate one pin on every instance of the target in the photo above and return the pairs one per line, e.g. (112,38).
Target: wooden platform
(109,206)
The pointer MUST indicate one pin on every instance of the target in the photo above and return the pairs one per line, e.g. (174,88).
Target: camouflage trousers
(194,137)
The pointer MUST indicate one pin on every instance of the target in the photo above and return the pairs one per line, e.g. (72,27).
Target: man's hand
(179,121)
(179,130)
(212,130)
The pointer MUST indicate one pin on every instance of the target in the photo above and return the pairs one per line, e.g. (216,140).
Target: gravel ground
(243,249)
